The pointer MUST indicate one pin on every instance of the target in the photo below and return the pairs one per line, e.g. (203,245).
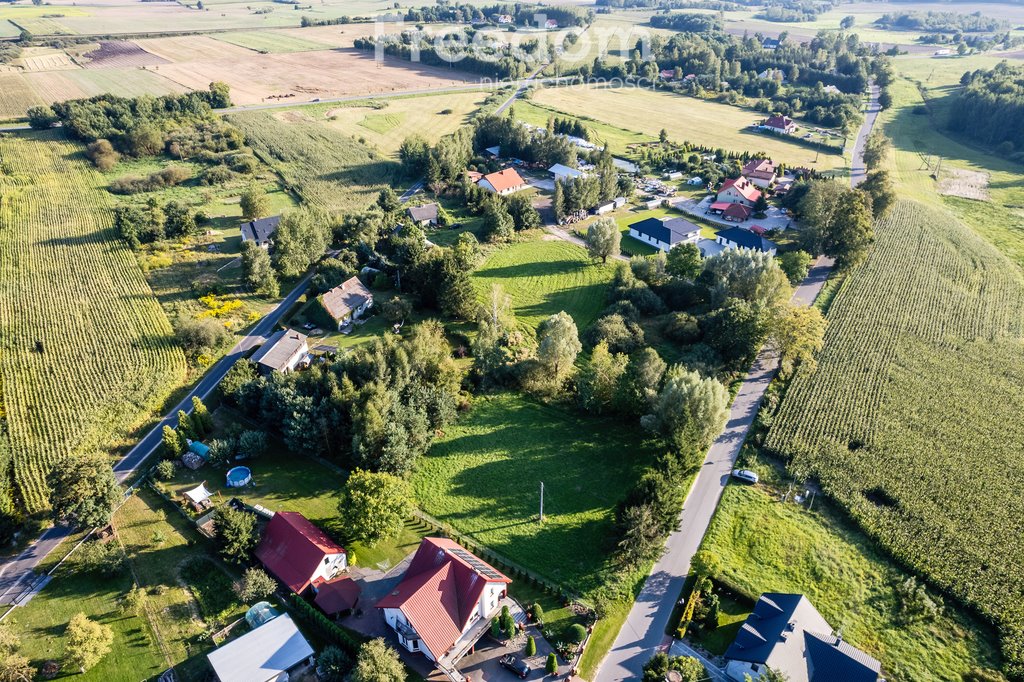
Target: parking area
(482,665)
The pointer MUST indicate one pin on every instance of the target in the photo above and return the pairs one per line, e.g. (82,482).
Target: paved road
(858,171)
(17,573)
(643,632)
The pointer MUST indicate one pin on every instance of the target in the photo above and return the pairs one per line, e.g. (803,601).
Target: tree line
(942,22)
(990,107)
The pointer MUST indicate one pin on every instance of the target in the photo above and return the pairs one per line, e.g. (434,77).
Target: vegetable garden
(912,419)
(86,349)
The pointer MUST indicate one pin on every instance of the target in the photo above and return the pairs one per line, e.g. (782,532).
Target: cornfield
(85,349)
(912,419)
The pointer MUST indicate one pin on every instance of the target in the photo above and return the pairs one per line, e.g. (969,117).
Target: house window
(414,645)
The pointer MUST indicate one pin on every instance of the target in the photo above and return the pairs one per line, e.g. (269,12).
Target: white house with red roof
(298,553)
(738,191)
(445,601)
(780,124)
(503,182)
(761,172)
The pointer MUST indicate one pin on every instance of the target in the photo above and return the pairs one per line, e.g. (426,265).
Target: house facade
(503,182)
(260,231)
(347,302)
(760,172)
(780,124)
(664,233)
(283,352)
(738,191)
(444,602)
(786,634)
(739,238)
(425,215)
(298,553)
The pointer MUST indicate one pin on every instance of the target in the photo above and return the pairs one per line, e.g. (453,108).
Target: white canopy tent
(198,495)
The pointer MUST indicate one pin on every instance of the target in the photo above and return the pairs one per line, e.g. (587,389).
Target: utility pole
(542,501)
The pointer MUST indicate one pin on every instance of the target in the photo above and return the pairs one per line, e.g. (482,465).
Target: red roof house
(761,172)
(738,191)
(445,600)
(336,596)
(507,181)
(736,213)
(298,553)
(781,124)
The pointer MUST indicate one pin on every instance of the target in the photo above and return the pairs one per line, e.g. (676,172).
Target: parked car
(745,475)
(515,666)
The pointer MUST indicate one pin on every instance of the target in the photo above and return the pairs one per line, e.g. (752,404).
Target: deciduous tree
(558,344)
(254,203)
(255,585)
(84,491)
(797,333)
(689,410)
(603,239)
(796,265)
(86,642)
(375,505)
(258,271)
(684,261)
(377,662)
(301,238)
(599,380)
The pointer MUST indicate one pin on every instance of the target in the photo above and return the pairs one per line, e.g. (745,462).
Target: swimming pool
(239,476)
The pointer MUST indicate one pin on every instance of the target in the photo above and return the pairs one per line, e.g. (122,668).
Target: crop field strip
(108,355)
(916,446)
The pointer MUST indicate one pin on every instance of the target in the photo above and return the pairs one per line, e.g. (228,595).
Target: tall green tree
(797,333)
(876,148)
(881,191)
(86,642)
(689,410)
(201,415)
(374,506)
(172,442)
(796,265)
(83,491)
(641,382)
(301,238)
(558,344)
(254,203)
(599,379)
(388,201)
(603,239)
(524,215)
(258,271)
(377,662)
(414,154)
(236,534)
(498,223)
(684,261)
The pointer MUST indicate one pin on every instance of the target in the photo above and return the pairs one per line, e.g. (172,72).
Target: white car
(745,475)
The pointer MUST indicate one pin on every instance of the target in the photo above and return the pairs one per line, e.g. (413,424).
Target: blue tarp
(200,449)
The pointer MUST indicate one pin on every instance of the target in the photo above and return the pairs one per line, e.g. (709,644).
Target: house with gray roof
(260,231)
(423,215)
(740,238)
(347,301)
(265,654)
(664,233)
(786,634)
(282,352)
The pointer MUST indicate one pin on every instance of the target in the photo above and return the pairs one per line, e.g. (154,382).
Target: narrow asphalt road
(643,633)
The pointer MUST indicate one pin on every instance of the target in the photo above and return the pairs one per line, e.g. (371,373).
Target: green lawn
(269,41)
(769,546)
(544,277)
(483,478)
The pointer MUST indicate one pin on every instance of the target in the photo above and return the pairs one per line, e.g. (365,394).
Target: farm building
(269,652)
(260,231)
(337,596)
(347,301)
(444,602)
(738,191)
(563,173)
(284,351)
(610,206)
(787,634)
(664,233)
(298,553)
(780,124)
(503,182)
(424,215)
(760,172)
(738,238)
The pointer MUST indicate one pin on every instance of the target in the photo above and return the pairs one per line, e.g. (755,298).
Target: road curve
(643,633)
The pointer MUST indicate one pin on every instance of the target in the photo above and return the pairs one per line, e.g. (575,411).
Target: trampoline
(239,476)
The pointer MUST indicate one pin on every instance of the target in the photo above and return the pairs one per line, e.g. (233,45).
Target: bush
(538,613)
(168,177)
(531,646)
(681,327)
(551,666)
(256,585)
(102,154)
(201,336)
(577,633)
(333,664)
(252,443)
(217,175)
(165,470)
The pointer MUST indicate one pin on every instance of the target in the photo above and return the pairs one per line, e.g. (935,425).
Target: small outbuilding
(199,497)
(338,596)
(268,653)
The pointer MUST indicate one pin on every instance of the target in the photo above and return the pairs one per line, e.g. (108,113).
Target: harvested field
(42,26)
(959,182)
(45,59)
(120,53)
(334,36)
(55,86)
(193,49)
(270,42)
(18,96)
(325,74)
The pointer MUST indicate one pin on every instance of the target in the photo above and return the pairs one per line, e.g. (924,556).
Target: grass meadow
(544,277)
(771,546)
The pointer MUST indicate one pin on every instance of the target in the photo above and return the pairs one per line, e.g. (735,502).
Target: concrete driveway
(482,665)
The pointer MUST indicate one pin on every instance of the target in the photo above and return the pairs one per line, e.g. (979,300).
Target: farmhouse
(738,238)
(503,182)
(738,191)
(298,553)
(780,124)
(563,173)
(347,301)
(424,215)
(444,602)
(664,233)
(787,634)
(770,44)
(760,172)
(260,231)
(282,352)
(267,653)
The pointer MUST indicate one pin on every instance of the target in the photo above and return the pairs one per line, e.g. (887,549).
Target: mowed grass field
(686,119)
(770,546)
(87,353)
(912,418)
(544,277)
(269,41)
(483,477)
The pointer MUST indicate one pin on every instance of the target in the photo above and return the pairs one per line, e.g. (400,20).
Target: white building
(664,233)
(563,173)
(282,352)
(267,653)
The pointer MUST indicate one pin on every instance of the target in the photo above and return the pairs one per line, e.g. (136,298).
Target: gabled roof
(777,121)
(262,654)
(292,549)
(745,239)
(424,212)
(559,169)
(759,168)
(278,350)
(737,211)
(261,229)
(830,659)
(505,180)
(440,590)
(335,596)
(745,188)
(667,230)
(346,297)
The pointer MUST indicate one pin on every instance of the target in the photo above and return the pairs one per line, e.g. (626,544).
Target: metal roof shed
(263,654)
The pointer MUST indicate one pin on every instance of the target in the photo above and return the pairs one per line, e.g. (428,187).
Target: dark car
(514,665)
